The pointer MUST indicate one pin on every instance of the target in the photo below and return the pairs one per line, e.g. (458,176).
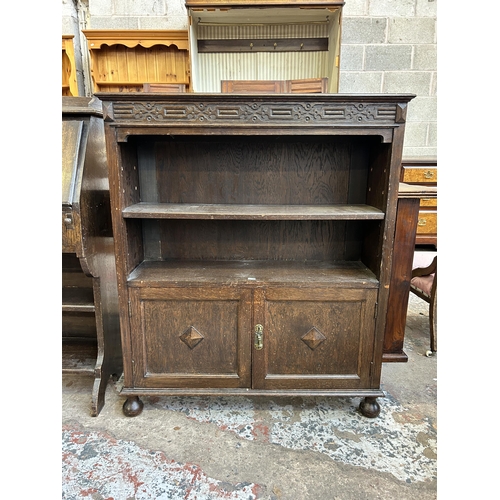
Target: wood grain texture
(91,341)
(287,240)
(219,316)
(345,320)
(122,61)
(406,226)
(251,212)
(252,273)
(236,211)
(69,83)
(253,170)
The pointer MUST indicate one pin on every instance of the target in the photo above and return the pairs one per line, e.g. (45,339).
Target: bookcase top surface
(217,96)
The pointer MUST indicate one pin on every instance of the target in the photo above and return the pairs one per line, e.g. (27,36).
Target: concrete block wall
(387,46)
(71,26)
(137,14)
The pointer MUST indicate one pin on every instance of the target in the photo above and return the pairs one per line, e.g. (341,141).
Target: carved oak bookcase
(253,237)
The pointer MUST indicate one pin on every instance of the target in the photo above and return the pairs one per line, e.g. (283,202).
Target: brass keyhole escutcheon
(259,332)
(429,174)
(422,222)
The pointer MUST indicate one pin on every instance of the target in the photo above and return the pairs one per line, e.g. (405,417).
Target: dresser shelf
(91,343)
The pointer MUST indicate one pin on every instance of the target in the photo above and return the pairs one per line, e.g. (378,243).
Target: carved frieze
(228,113)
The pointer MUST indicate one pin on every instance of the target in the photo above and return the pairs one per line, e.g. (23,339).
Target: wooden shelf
(251,212)
(252,272)
(79,357)
(133,38)
(123,60)
(78,300)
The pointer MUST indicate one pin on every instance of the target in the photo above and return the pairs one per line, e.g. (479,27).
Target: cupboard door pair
(275,338)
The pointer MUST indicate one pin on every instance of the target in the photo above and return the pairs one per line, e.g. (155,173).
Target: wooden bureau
(254,241)
(423,172)
(90,325)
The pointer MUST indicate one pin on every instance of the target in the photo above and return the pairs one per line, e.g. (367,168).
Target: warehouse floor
(255,448)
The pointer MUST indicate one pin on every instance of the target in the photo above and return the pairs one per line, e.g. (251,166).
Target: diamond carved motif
(313,338)
(191,337)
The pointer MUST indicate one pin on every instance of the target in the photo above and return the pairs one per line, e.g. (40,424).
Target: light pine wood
(132,38)
(124,60)
(69,83)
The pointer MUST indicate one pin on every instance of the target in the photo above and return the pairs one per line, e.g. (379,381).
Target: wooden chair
(164,87)
(424,285)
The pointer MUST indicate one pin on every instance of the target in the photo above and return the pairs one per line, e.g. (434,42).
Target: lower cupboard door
(190,337)
(314,339)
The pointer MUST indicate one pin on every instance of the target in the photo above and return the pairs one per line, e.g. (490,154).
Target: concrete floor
(240,448)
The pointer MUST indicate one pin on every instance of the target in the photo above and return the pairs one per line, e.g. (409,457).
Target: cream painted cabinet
(265,40)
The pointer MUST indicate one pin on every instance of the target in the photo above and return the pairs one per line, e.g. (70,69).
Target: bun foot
(132,407)
(369,407)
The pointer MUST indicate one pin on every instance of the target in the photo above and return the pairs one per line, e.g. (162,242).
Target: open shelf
(252,273)
(77,299)
(145,210)
(79,356)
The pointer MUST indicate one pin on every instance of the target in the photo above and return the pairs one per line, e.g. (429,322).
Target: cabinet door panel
(191,337)
(315,339)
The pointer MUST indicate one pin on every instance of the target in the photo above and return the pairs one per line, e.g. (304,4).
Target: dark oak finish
(264,45)
(233,211)
(91,340)
(409,200)
(254,241)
